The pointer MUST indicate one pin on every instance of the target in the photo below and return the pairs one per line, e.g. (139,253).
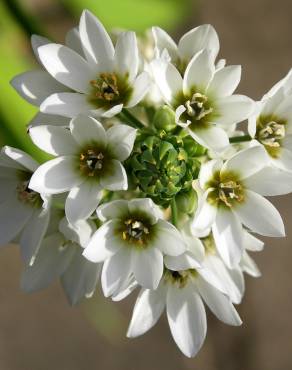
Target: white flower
(203,98)
(197,39)
(100,84)
(132,240)
(231,280)
(182,293)
(89,160)
(271,125)
(24,214)
(233,196)
(60,256)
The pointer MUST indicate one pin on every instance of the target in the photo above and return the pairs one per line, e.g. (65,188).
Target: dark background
(41,331)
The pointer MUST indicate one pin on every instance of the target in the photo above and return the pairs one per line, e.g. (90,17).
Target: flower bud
(164,119)
(187,201)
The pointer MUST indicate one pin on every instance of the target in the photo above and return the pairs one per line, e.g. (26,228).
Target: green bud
(193,148)
(164,119)
(161,167)
(187,201)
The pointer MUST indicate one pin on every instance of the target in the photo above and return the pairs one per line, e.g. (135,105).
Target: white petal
(20,157)
(225,81)
(249,266)
(140,87)
(126,55)
(13,216)
(168,80)
(184,261)
(205,214)
(145,205)
(168,239)
(115,178)
(234,109)
(115,209)
(284,162)
(164,41)
(247,162)
(187,319)
(147,311)
(266,220)
(104,243)
(251,243)
(36,86)
(218,303)
(56,176)
(52,260)
(126,290)
(147,267)
(211,137)
(199,72)
(270,181)
(82,201)
(208,170)
(121,139)
(227,231)
(87,130)
(73,41)
(36,42)
(33,233)
(116,109)
(53,140)
(42,119)
(115,272)
(224,275)
(68,105)
(96,42)
(67,67)
(79,233)
(80,278)
(202,37)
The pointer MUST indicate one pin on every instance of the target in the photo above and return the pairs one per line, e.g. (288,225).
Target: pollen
(230,191)
(91,162)
(106,87)
(136,232)
(198,106)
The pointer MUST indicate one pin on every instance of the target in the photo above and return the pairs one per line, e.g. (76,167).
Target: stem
(173,212)
(240,139)
(132,120)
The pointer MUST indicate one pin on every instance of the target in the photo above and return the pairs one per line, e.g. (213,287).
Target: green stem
(132,120)
(240,139)
(173,212)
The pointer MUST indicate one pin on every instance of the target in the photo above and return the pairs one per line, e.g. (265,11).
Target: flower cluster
(151,184)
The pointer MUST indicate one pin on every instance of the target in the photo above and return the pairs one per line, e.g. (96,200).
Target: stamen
(272,134)
(106,87)
(229,191)
(135,232)
(91,162)
(197,107)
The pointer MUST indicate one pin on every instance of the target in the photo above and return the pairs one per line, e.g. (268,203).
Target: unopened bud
(164,119)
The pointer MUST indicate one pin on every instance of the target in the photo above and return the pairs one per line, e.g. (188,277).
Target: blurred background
(41,331)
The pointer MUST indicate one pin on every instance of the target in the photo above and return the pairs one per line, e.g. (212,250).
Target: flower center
(198,107)
(106,87)
(272,134)
(26,195)
(135,232)
(91,162)
(229,191)
(179,278)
